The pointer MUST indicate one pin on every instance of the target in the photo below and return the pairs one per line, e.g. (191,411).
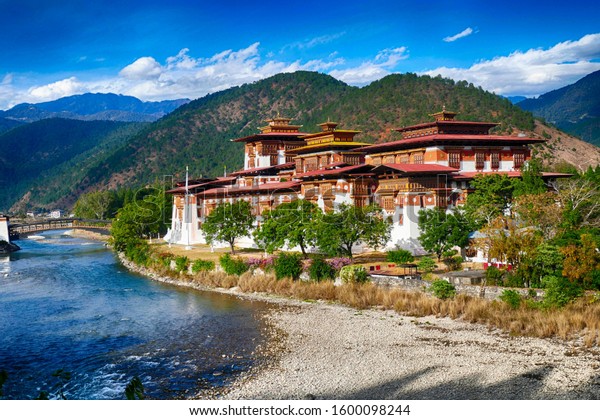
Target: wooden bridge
(16,230)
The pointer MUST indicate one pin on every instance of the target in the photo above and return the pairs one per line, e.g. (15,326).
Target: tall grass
(578,319)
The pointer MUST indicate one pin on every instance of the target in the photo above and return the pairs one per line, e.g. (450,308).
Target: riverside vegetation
(549,238)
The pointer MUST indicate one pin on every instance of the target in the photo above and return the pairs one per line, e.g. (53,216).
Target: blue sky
(172,49)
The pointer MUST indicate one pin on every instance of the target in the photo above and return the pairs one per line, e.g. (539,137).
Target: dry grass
(580,319)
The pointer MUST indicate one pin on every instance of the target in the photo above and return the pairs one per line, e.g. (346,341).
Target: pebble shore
(335,352)
(326,351)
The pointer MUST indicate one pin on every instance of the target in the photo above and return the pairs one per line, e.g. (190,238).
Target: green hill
(51,154)
(574,108)
(198,134)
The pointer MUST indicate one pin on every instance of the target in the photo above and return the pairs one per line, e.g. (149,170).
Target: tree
(441,231)
(338,231)
(580,201)
(228,222)
(93,205)
(491,198)
(531,181)
(581,262)
(540,211)
(289,223)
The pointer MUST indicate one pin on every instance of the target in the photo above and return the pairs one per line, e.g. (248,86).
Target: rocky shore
(327,351)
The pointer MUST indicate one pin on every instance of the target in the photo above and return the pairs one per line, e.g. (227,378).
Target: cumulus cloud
(532,72)
(459,35)
(142,69)
(65,87)
(370,70)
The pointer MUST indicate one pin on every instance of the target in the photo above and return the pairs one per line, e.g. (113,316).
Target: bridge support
(5,245)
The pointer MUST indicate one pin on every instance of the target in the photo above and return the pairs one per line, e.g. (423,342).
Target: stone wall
(487,292)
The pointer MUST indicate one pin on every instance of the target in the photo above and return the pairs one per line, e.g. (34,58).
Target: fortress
(430,166)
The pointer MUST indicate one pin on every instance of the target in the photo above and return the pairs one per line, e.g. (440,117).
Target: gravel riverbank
(334,352)
(327,351)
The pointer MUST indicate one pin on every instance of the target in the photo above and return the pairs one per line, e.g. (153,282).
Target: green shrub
(454,263)
(181,264)
(560,291)
(511,297)
(138,253)
(235,266)
(426,265)
(354,274)
(514,280)
(202,265)
(442,289)
(288,265)
(165,259)
(494,275)
(320,270)
(400,256)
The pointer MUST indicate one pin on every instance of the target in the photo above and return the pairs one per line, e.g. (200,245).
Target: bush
(514,280)
(235,266)
(181,264)
(288,265)
(511,297)
(494,275)
(202,265)
(320,270)
(559,291)
(354,274)
(165,259)
(442,289)
(400,256)
(138,253)
(454,263)
(426,265)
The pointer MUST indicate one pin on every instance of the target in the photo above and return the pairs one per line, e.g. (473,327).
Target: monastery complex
(430,166)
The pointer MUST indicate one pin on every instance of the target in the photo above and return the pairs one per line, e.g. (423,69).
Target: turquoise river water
(67,305)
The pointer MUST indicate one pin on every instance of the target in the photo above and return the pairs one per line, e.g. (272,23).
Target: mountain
(94,106)
(32,152)
(198,134)
(516,99)
(6,124)
(574,108)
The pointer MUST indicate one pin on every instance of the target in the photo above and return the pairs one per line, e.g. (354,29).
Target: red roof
(510,174)
(337,171)
(449,138)
(219,180)
(417,168)
(269,186)
(265,136)
(448,122)
(287,165)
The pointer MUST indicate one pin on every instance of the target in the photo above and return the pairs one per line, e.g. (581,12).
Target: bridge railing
(53,224)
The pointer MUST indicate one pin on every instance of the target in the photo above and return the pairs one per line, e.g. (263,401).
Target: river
(67,305)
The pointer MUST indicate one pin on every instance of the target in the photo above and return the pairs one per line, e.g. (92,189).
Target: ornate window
(479,160)
(454,160)
(495,158)
(418,158)
(519,159)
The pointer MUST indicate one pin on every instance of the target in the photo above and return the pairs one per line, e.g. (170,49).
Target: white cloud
(142,68)
(370,70)
(313,42)
(532,72)
(459,35)
(65,87)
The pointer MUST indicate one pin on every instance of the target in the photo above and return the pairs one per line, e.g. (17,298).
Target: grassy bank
(579,320)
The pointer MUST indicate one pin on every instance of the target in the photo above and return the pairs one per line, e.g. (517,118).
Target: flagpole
(188,216)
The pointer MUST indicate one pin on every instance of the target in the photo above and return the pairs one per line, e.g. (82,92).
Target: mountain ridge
(198,133)
(574,108)
(93,107)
